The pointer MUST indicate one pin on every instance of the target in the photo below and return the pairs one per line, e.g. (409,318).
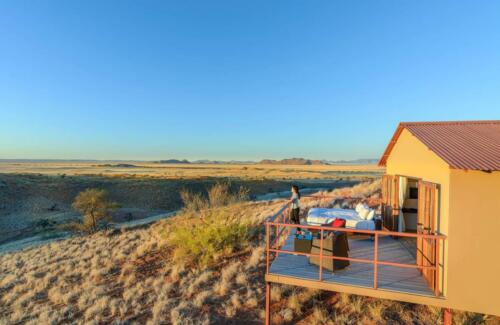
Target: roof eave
(383,160)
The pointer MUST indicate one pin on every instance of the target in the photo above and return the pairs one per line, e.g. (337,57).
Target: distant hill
(129,163)
(236,162)
(364,161)
(292,161)
(303,161)
(173,161)
(122,165)
(202,161)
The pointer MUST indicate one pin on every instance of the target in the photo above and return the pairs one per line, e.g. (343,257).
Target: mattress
(320,216)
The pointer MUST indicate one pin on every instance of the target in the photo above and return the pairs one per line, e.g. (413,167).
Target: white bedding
(319,216)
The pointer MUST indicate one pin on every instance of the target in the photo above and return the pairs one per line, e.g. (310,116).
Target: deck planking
(391,278)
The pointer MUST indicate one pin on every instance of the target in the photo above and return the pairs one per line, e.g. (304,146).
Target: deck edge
(375,293)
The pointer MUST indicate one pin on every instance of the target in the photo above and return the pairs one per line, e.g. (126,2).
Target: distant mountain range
(303,161)
(240,162)
(173,161)
(202,161)
(292,161)
(363,161)
(287,161)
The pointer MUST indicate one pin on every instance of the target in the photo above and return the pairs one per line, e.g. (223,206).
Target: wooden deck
(390,278)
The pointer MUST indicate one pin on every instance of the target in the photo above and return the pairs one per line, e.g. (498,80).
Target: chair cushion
(359,207)
(370,215)
(338,223)
(364,213)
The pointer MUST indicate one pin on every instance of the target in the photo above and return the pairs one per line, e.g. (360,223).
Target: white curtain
(402,195)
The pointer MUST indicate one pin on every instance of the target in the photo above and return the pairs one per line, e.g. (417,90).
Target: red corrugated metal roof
(473,145)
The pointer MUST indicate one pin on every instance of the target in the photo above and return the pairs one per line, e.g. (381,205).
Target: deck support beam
(447,317)
(268,303)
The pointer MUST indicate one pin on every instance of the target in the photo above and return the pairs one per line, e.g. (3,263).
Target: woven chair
(334,244)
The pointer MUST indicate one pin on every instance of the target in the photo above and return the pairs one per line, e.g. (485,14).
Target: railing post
(267,247)
(276,240)
(447,317)
(321,256)
(286,215)
(268,303)
(375,262)
(283,215)
(436,264)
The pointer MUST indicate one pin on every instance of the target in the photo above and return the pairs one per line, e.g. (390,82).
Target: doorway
(427,215)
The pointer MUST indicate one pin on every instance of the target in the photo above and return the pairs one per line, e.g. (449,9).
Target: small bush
(220,194)
(210,227)
(202,240)
(95,207)
(193,201)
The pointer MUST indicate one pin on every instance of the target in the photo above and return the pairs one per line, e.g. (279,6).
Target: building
(455,169)
(440,197)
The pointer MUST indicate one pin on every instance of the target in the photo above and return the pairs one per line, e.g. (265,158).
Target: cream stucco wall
(469,216)
(474,243)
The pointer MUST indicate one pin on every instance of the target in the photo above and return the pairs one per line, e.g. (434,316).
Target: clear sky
(238,79)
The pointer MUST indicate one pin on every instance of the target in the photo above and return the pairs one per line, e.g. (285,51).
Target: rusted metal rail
(281,222)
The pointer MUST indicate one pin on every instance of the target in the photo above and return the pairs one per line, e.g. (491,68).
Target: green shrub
(210,227)
(202,240)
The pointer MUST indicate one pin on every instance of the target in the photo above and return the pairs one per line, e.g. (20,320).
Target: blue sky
(238,79)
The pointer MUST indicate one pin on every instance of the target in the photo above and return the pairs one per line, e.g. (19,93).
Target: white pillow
(359,206)
(364,213)
(370,215)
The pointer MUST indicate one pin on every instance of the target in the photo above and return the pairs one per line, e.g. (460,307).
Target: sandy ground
(190,171)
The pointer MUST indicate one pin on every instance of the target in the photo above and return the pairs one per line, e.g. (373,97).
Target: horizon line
(179,159)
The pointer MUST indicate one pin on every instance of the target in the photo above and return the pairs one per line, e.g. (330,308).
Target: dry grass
(126,277)
(129,277)
(294,303)
(276,293)
(319,315)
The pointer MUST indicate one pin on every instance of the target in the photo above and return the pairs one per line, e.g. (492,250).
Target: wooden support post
(267,247)
(436,271)
(447,317)
(283,218)
(268,303)
(321,256)
(277,239)
(375,262)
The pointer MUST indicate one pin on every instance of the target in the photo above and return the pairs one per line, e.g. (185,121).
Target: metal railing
(282,229)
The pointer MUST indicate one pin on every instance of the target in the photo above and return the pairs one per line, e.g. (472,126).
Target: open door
(427,211)
(390,201)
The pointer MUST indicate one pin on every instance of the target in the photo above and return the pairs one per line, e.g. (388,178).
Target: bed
(320,216)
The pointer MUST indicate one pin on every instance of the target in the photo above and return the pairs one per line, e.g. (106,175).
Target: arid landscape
(164,273)
(249,162)
(37,197)
(190,171)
